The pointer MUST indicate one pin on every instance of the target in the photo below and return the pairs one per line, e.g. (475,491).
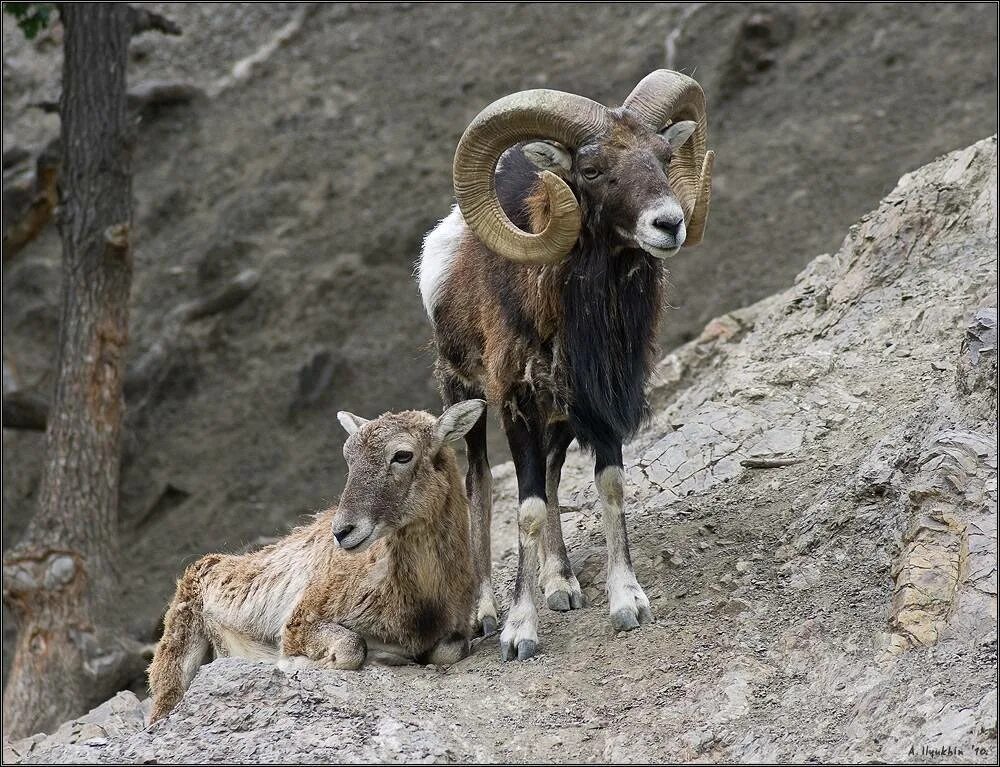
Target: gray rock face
(841,607)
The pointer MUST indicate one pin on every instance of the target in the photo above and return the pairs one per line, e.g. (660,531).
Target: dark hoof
(506,652)
(624,620)
(489,626)
(525,649)
(558,601)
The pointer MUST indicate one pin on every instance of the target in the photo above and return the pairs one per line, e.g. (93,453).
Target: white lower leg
(627,603)
(559,584)
(486,608)
(519,637)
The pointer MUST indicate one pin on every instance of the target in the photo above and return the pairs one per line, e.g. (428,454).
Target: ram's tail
(184,643)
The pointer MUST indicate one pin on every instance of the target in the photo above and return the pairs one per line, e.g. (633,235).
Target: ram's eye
(402,456)
(590,173)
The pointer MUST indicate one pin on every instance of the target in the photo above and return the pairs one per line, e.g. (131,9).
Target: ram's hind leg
(525,434)
(479,489)
(320,644)
(561,588)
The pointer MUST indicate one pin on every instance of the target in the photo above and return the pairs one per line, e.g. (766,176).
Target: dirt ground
(322,166)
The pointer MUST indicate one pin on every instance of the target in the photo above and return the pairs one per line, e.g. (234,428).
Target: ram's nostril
(668,224)
(343,533)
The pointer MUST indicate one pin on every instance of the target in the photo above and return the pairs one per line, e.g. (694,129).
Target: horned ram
(545,286)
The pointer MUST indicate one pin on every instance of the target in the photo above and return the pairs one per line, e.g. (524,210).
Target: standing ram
(545,290)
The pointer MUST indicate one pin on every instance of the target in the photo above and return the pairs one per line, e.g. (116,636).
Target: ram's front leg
(479,488)
(310,642)
(627,602)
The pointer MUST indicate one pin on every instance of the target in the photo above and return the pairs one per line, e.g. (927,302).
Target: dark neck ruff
(610,311)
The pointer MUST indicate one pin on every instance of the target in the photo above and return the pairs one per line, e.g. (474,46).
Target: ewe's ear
(678,133)
(351,422)
(546,155)
(456,421)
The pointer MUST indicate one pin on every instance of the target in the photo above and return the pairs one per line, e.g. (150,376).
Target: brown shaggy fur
(303,601)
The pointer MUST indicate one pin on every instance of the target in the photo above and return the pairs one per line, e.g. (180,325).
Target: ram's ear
(548,155)
(678,133)
(456,421)
(350,422)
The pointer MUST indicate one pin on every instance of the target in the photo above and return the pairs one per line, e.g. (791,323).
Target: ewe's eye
(402,456)
(590,173)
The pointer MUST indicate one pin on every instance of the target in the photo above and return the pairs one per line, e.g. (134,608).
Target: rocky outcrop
(813,514)
(281,155)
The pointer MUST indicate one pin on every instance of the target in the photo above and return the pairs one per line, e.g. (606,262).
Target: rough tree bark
(61,578)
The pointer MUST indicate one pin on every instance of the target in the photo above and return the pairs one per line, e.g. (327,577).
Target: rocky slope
(318,155)
(840,605)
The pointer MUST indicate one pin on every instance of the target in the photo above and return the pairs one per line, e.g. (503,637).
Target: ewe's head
(393,470)
(638,176)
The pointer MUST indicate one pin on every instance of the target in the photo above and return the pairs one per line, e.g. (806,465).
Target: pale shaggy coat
(304,601)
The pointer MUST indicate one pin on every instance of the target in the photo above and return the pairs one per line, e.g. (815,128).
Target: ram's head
(639,174)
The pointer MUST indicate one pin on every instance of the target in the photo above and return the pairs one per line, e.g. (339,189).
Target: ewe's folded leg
(321,644)
(449,650)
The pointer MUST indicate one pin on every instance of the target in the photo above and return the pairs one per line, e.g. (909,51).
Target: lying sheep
(388,574)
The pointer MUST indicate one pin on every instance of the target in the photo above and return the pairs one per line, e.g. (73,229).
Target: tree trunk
(61,580)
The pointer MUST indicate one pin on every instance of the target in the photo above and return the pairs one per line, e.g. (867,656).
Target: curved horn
(534,114)
(663,96)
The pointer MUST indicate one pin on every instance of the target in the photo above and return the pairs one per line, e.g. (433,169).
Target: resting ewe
(387,574)
(545,287)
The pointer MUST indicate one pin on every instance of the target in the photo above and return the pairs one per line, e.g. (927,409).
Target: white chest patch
(437,257)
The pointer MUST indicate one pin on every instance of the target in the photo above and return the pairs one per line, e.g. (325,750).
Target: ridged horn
(533,114)
(665,96)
